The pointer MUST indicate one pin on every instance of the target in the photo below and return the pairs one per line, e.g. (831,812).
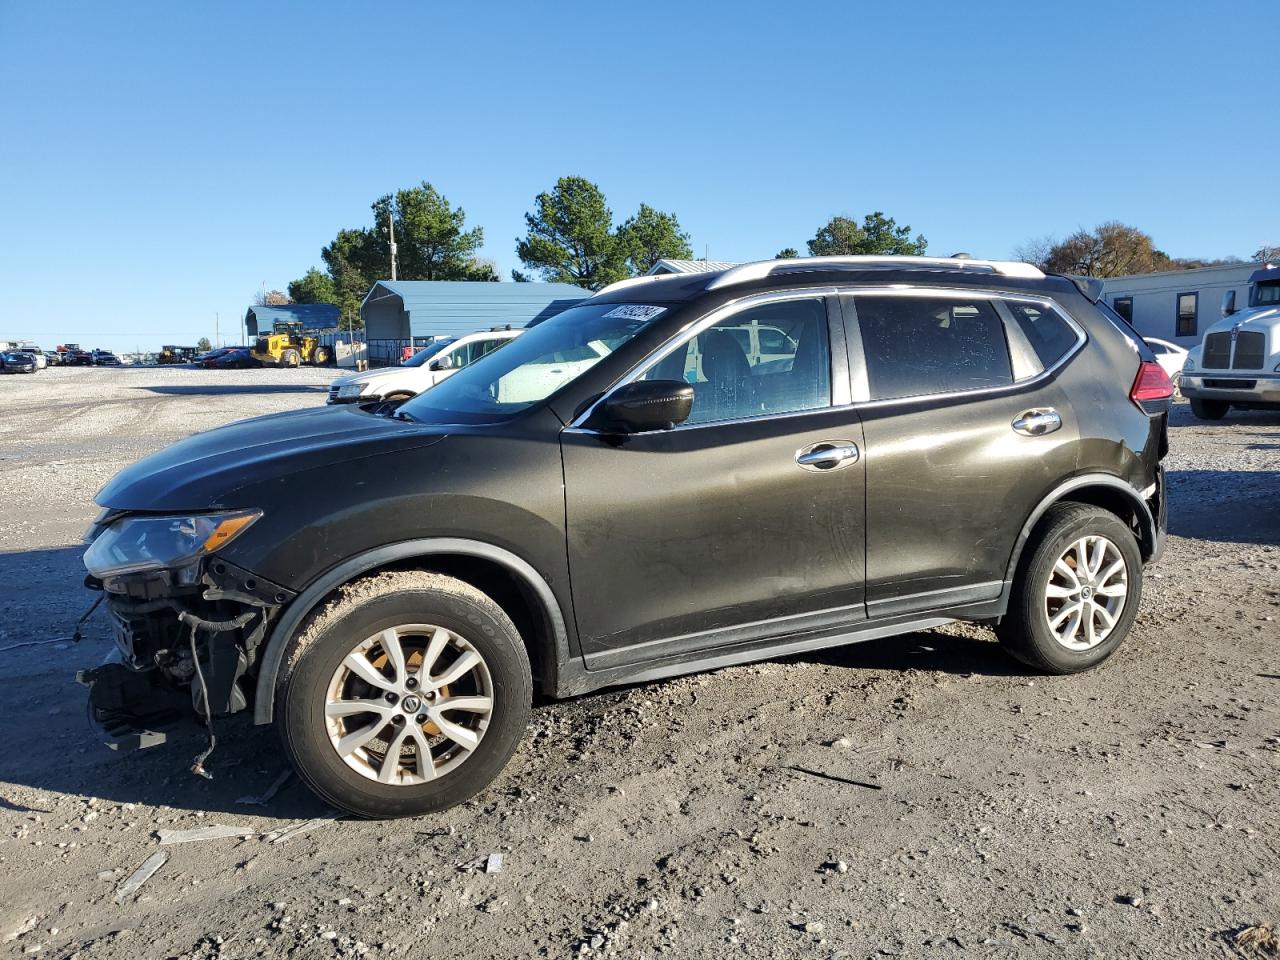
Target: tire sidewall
(302,721)
(1054,654)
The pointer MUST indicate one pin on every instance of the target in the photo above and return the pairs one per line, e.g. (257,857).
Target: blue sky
(159,163)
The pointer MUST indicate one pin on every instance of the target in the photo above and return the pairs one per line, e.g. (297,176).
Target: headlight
(137,544)
(351,389)
(1189,364)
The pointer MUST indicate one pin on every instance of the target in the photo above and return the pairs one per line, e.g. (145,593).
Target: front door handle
(1038,422)
(828,455)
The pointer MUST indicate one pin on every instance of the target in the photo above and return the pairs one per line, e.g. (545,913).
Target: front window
(732,379)
(427,352)
(536,364)
(1265,295)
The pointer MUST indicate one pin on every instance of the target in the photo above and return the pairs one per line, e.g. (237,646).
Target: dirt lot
(920,796)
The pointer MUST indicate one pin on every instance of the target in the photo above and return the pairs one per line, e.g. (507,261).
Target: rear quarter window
(1050,336)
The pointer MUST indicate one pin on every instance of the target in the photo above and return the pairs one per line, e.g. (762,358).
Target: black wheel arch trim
(553,658)
(1149,543)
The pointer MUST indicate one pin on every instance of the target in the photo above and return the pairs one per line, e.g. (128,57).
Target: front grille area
(1231,384)
(1251,350)
(1217,350)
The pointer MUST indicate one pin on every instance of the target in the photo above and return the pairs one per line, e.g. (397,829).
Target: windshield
(1265,295)
(534,366)
(427,352)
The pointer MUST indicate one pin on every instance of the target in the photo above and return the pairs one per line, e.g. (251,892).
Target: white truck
(1238,362)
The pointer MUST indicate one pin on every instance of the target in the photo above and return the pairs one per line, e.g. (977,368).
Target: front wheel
(320,357)
(290,358)
(1210,409)
(404,694)
(1077,591)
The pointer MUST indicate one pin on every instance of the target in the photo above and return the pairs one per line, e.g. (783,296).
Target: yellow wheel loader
(287,346)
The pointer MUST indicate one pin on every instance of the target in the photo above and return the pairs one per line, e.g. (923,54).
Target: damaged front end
(187,624)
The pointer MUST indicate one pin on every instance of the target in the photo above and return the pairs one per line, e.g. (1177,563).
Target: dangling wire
(75,637)
(197,767)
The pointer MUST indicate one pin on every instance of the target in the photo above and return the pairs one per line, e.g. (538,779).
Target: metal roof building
(313,316)
(412,309)
(688,266)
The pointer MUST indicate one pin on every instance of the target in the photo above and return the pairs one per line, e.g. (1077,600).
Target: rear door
(728,529)
(966,429)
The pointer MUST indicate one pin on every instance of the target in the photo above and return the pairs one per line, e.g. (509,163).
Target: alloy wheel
(1086,593)
(409,704)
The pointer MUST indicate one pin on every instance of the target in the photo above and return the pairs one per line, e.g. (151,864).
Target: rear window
(1049,335)
(916,346)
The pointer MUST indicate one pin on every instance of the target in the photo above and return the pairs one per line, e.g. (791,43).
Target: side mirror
(1228,303)
(648,405)
(444,363)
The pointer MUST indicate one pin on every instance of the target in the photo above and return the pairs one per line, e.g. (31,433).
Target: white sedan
(1170,356)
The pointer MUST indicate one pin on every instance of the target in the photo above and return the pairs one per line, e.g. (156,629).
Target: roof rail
(764,268)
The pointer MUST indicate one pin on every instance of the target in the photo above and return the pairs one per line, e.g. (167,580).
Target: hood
(1251,318)
(204,471)
(368,375)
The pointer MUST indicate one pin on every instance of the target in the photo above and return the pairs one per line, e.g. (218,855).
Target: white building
(1177,305)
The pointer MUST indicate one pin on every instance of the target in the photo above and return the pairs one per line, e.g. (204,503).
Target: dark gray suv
(674,475)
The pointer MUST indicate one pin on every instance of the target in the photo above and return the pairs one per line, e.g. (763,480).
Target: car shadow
(931,650)
(1244,509)
(232,389)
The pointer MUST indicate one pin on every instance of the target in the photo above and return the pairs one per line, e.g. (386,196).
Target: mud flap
(129,711)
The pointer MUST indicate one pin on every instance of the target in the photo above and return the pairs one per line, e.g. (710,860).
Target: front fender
(553,658)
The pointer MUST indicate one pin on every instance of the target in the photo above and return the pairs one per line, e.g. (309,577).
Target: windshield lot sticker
(636,311)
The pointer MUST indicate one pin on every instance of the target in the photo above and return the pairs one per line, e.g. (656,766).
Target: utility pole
(217,338)
(391,225)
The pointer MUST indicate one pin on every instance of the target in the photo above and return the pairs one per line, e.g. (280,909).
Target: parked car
(423,370)
(37,355)
(949,439)
(105,358)
(207,358)
(233,358)
(1170,356)
(1238,362)
(78,358)
(12,361)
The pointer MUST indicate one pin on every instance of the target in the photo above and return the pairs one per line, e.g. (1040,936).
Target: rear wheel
(1210,409)
(1077,591)
(405,694)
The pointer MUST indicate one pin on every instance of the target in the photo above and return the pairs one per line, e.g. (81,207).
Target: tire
(1026,630)
(1210,409)
(398,396)
(320,356)
(417,606)
(290,358)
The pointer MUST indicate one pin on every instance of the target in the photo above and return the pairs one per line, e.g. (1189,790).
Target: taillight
(1152,389)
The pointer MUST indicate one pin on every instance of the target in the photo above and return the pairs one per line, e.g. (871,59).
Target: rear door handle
(827,455)
(1038,422)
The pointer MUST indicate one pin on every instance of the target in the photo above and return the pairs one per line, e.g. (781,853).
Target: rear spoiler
(1089,287)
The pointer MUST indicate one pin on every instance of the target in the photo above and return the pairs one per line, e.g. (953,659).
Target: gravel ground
(920,796)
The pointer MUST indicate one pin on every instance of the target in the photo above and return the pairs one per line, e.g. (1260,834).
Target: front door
(743,523)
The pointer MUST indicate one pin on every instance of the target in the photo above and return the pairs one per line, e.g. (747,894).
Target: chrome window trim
(1047,302)
(694,327)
